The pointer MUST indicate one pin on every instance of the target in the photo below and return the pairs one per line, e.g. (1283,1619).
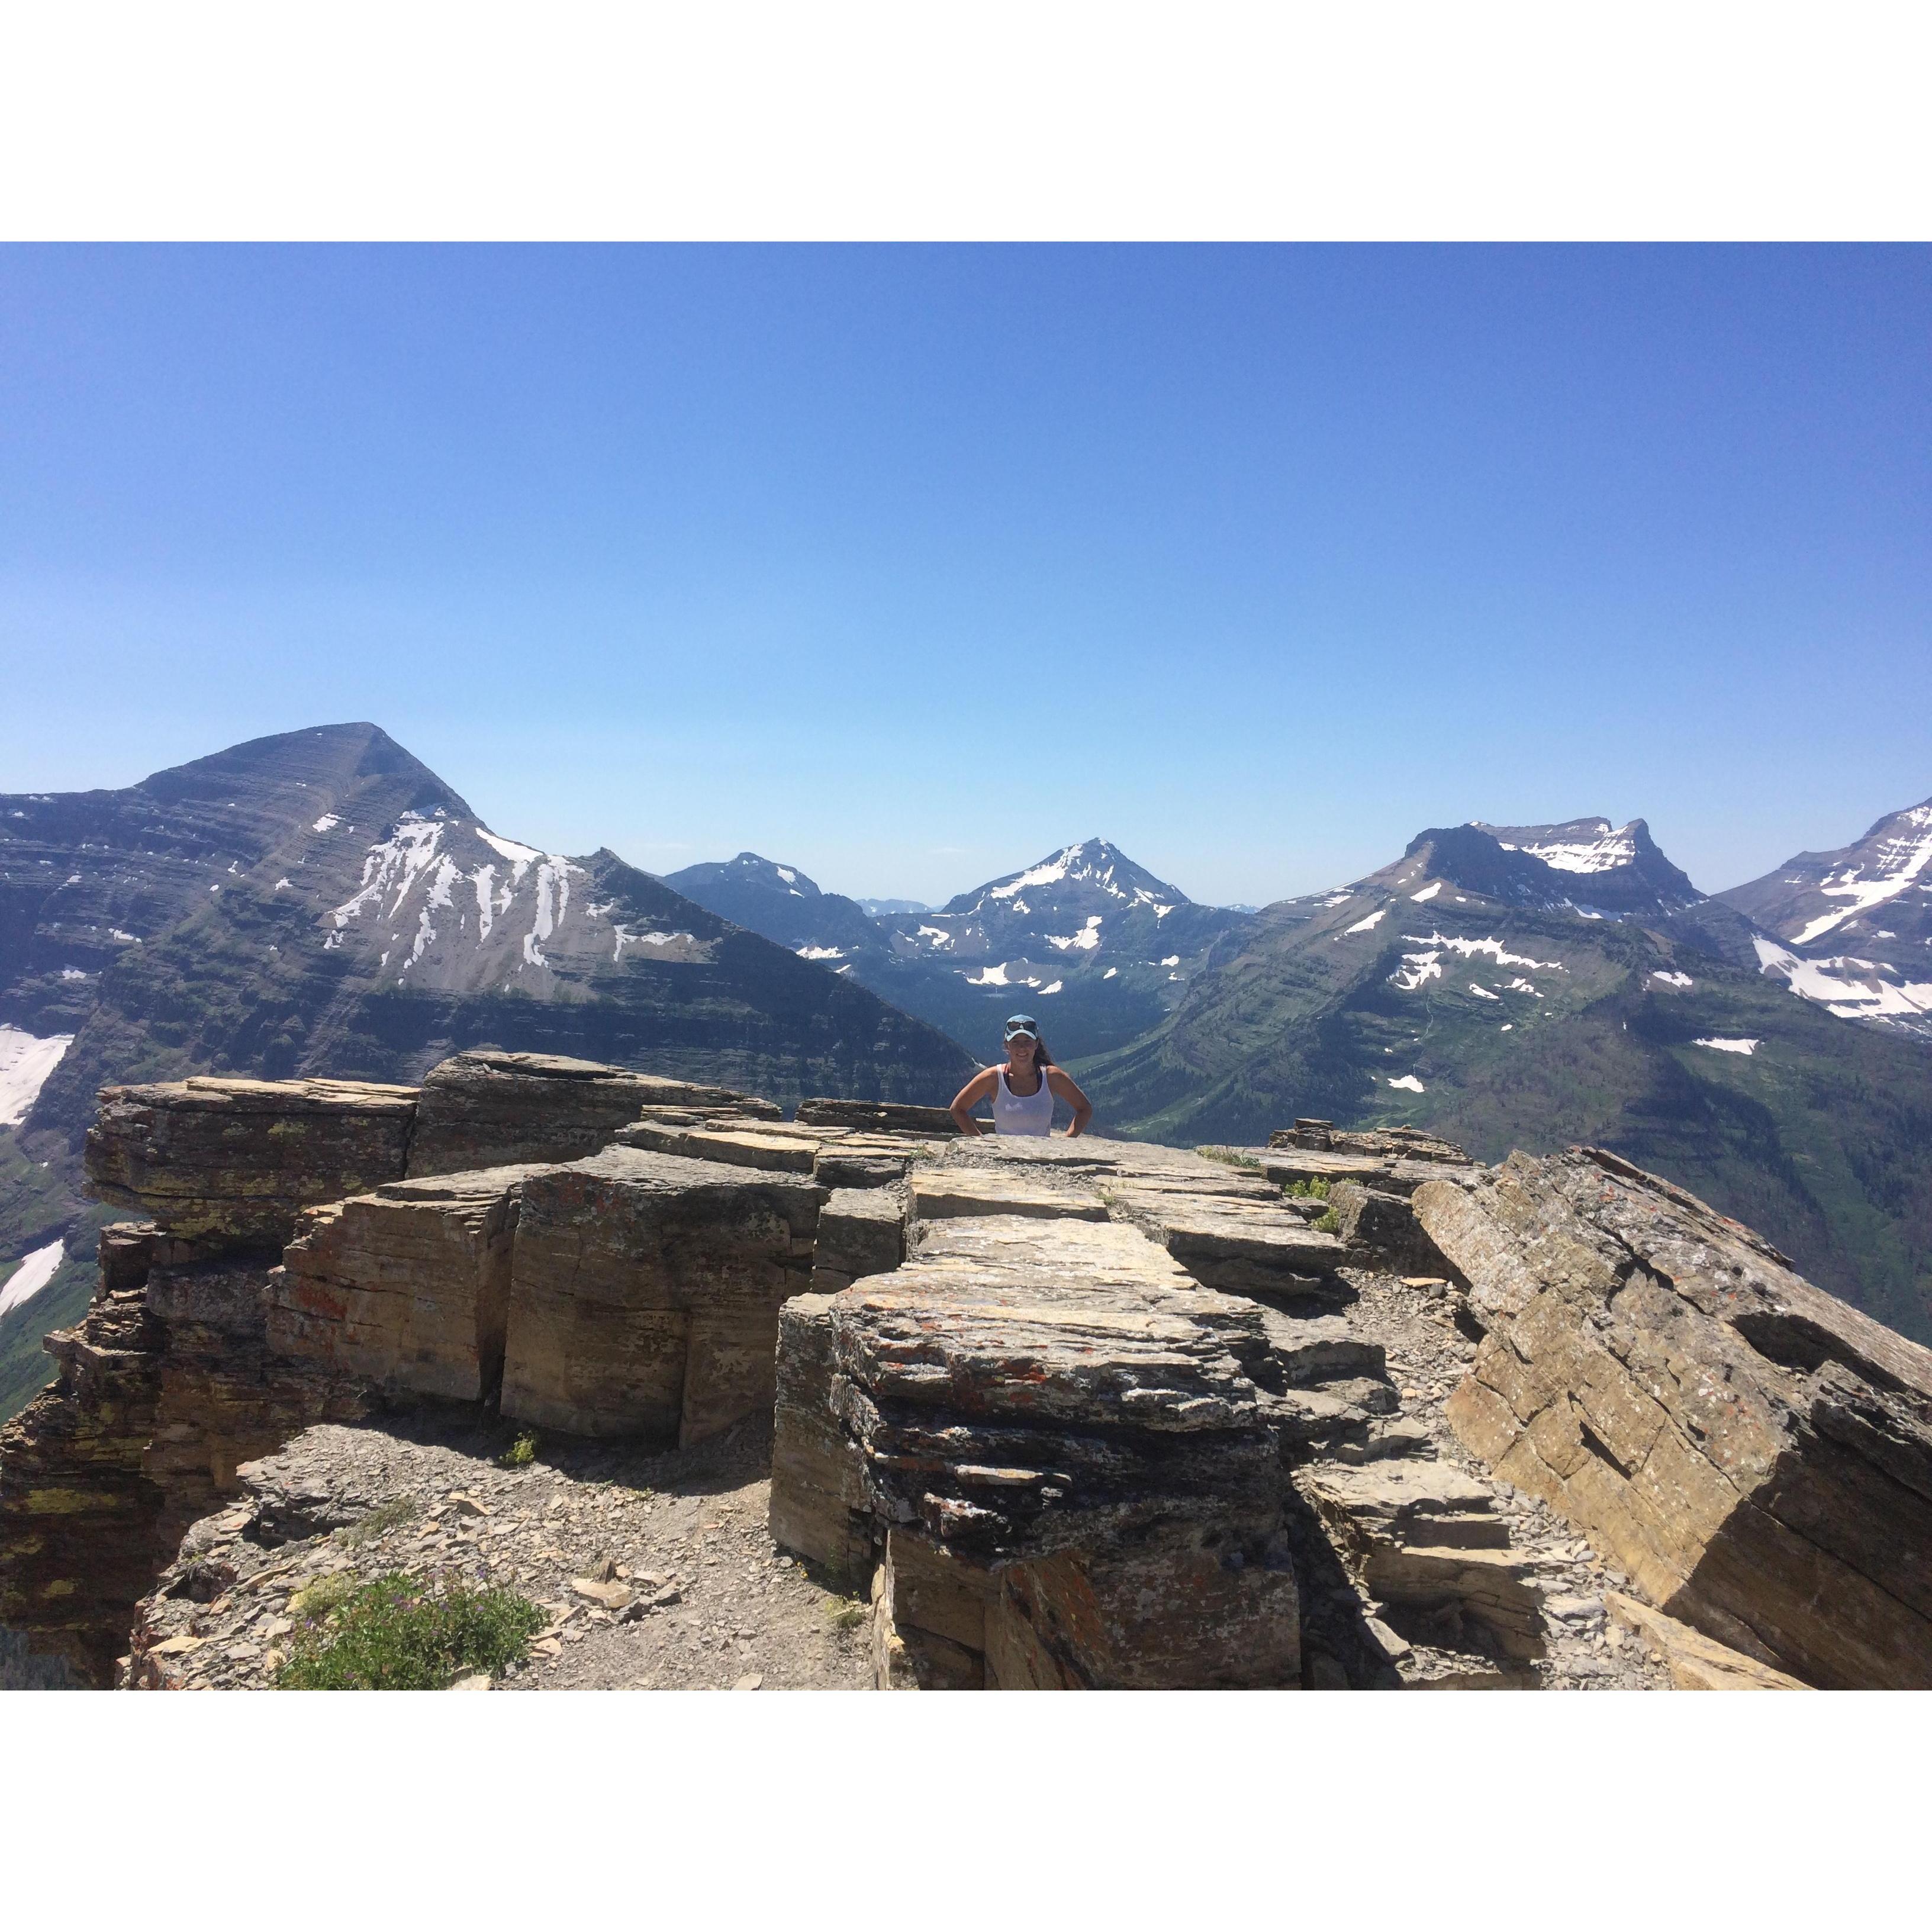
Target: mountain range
(1506,985)
(321,902)
(1095,945)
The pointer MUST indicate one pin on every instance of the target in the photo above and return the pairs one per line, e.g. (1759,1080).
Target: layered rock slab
(889,1117)
(862,1231)
(234,1162)
(1050,1414)
(1755,1453)
(645,1292)
(408,1286)
(486,1109)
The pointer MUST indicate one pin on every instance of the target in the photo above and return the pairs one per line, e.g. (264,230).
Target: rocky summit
(737,1401)
(320,905)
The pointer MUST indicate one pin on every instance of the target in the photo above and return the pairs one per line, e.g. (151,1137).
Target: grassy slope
(1817,1139)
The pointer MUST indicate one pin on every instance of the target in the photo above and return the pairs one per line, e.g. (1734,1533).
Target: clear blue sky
(906,565)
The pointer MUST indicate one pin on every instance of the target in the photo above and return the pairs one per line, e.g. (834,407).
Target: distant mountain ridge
(779,901)
(1853,928)
(1095,944)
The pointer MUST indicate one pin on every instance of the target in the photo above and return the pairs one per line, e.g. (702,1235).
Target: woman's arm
(970,1095)
(1064,1088)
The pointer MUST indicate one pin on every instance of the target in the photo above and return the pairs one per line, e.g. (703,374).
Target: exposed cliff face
(165,1387)
(1756,1454)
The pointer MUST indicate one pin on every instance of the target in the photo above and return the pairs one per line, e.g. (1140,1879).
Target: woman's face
(1020,1049)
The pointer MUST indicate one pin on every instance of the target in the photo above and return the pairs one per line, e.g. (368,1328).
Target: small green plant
(1230,1157)
(520,1453)
(384,1516)
(396,1633)
(848,1615)
(314,1602)
(1329,1223)
(1316,1189)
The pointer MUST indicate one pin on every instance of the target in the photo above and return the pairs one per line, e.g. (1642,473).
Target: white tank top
(1022,1113)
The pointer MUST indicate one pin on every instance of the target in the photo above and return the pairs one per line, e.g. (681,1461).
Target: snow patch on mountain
(1366,925)
(1602,853)
(1047,873)
(25,1061)
(1743,1046)
(33,1274)
(1492,948)
(1418,970)
(1851,989)
(1408,1083)
(521,857)
(393,862)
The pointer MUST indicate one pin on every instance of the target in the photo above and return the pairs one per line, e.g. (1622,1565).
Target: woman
(1024,1090)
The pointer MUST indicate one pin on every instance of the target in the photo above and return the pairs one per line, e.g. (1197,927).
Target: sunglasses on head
(1023,1033)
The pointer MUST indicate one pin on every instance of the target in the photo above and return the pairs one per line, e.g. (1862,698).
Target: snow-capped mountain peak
(1583,864)
(1868,906)
(1091,870)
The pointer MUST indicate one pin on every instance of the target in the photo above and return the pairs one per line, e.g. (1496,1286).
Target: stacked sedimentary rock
(1063,1458)
(1058,1436)
(1380,1227)
(169,1382)
(645,1291)
(233,1162)
(408,1286)
(487,1109)
(1076,1413)
(82,1530)
(862,1231)
(881,1116)
(1383,1143)
(1756,1454)
(200,1353)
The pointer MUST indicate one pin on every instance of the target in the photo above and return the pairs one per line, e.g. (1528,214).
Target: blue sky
(906,565)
